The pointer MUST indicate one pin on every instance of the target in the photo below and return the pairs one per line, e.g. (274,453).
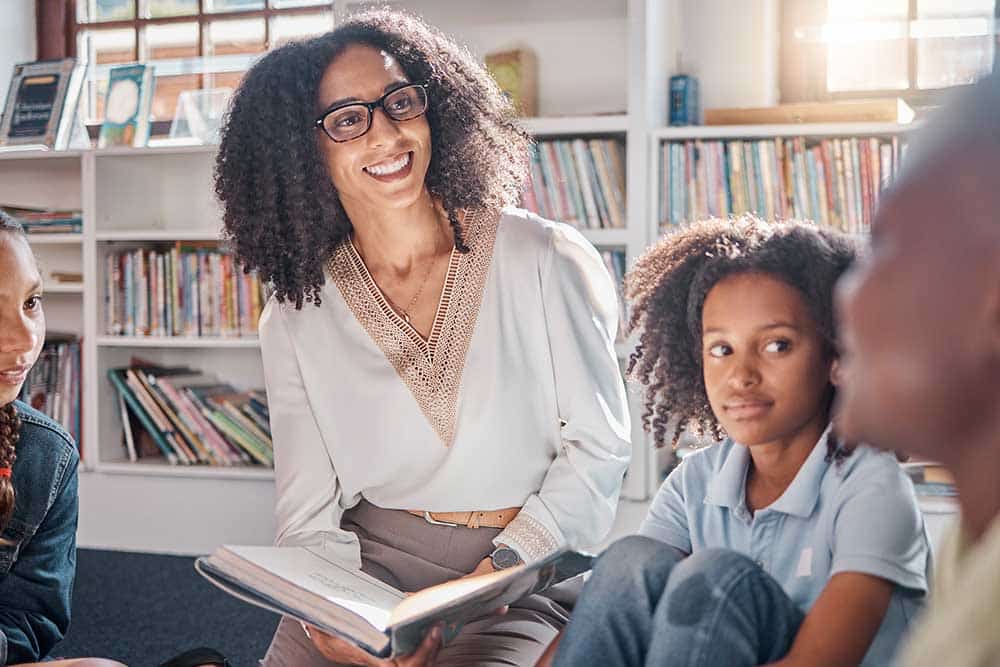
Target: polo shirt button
(760,564)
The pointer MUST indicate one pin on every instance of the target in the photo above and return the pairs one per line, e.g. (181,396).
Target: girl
(443,388)
(780,545)
(38,479)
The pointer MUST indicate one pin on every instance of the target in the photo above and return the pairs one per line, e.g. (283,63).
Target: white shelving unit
(603,72)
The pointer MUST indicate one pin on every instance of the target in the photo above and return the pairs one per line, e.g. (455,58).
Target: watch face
(503,558)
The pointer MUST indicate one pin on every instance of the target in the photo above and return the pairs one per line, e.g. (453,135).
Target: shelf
(12,153)
(784,130)
(606,237)
(177,342)
(160,235)
(163,149)
(63,288)
(54,239)
(574,125)
(164,469)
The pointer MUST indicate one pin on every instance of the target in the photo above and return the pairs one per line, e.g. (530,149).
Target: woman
(38,481)
(442,384)
(780,545)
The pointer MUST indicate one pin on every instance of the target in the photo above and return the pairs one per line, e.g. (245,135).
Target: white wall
(731,46)
(17,38)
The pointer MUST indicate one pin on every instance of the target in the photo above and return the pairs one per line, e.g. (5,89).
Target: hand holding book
(343,652)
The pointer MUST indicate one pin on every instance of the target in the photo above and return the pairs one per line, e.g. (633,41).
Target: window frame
(57,30)
(806,88)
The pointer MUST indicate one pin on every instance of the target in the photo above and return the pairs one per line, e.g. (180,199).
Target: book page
(310,571)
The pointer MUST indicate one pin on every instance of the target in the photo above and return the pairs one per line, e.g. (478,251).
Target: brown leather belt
(491,519)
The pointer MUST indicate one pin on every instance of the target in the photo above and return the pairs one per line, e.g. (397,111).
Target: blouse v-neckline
(431,368)
(428,344)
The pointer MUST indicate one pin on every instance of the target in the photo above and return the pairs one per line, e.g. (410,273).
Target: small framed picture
(41,107)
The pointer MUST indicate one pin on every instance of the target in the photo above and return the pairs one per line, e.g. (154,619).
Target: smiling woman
(443,388)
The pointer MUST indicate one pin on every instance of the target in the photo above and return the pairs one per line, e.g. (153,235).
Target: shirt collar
(728,486)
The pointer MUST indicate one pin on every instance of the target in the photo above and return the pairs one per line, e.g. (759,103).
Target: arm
(578,498)
(666,519)
(35,593)
(842,623)
(307,504)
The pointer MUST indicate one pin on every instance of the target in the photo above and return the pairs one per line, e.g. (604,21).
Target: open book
(309,585)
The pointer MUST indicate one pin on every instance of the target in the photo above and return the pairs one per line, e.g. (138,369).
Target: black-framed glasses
(350,121)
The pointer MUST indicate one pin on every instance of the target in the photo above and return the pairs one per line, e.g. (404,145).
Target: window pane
(849,65)
(229,38)
(282,4)
(107,46)
(286,29)
(859,33)
(167,90)
(867,10)
(926,8)
(232,5)
(169,41)
(952,61)
(104,10)
(103,47)
(158,8)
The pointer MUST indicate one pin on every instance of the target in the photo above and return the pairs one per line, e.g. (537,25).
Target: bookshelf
(811,133)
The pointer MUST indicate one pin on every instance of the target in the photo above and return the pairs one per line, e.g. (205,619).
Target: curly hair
(667,290)
(10,423)
(282,213)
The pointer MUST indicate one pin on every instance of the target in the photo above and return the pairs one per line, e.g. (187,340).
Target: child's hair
(10,423)
(667,290)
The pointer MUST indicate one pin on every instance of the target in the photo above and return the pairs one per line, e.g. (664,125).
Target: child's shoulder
(38,430)
(704,462)
(866,463)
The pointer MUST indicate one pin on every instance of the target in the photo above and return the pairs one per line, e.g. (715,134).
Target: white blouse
(515,400)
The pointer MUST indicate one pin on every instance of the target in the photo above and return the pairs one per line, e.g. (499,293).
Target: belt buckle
(429,519)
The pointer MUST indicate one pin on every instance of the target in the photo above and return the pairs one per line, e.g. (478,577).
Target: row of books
(615,262)
(186,290)
(833,182)
(578,181)
(53,384)
(189,417)
(45,220)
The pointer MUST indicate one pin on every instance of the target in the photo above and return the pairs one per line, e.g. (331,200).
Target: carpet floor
(142,609)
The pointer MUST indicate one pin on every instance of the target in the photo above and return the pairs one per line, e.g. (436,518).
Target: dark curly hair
(282,214)
(667,290)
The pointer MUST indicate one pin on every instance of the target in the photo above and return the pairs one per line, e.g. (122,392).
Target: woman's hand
(485,567)
(344,652)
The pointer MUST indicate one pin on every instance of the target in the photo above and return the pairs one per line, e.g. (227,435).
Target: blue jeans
(647,604)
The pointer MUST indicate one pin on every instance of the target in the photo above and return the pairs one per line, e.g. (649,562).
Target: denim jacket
(38,545)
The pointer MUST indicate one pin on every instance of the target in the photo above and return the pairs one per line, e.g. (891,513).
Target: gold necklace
(404,312)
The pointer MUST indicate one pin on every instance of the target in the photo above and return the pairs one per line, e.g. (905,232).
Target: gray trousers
(408,553)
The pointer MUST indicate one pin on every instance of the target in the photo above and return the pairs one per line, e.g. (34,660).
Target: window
(192,44)
(869,48)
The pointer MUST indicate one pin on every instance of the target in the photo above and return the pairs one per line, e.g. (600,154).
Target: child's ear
(835,374)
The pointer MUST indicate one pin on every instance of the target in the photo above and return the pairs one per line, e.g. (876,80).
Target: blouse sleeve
(576,503)
(307,493)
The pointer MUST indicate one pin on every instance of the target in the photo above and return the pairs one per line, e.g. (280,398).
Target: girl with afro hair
(443,388)
(780,545)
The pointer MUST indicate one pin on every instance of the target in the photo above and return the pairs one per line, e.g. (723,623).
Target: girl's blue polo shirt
(858,515)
